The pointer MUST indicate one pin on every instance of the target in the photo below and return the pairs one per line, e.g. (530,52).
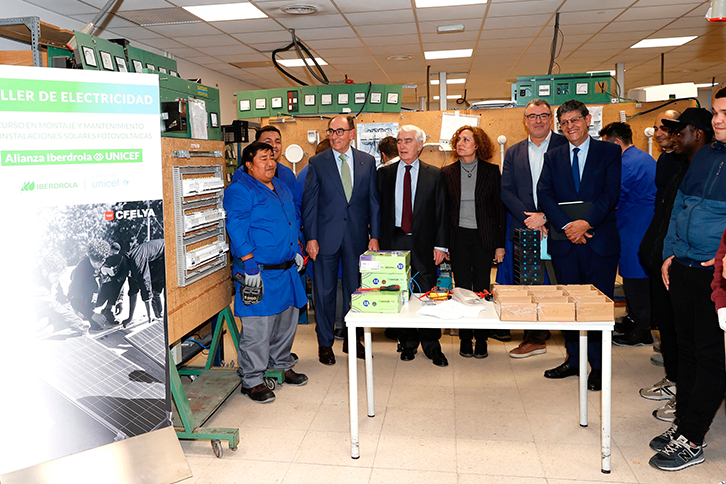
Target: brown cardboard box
(555,311)
(516,311)
(595,310)
(501,289)
(578,288)
(555,296)
(543,288)
(589,297)
(514,297)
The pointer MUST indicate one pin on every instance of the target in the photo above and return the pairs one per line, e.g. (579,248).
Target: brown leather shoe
(325,355)
(360,350)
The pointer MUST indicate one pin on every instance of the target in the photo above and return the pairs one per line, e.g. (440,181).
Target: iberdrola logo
(28,187)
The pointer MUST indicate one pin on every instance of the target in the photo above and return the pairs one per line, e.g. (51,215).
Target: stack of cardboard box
(378,269)
(552,303)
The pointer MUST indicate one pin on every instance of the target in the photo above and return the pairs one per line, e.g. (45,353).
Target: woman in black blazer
(476,219)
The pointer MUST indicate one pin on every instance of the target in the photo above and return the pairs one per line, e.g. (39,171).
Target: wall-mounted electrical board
(327,99)
(591,88)
(174,90)
(201,243)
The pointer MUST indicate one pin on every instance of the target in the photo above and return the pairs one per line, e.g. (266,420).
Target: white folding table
(487,319)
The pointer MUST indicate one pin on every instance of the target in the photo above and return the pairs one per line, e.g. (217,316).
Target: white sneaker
(662,390)
(666,413)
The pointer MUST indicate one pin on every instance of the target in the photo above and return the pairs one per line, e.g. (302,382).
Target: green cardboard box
(377,301)
(378,279)
(386,261)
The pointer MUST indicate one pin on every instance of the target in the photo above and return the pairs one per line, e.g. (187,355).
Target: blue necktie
(576,169)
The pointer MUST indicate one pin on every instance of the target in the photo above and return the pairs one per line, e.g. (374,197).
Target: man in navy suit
(585,171)
(341,219)
(523,164)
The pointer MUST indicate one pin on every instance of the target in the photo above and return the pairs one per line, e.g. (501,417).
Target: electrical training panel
(593,88)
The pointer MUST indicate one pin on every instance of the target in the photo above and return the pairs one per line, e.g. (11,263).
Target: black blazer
(491,216)
(517,189)
(429,208)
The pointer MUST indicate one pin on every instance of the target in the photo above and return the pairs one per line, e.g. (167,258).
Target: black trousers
(701,378)
(637,296)
(425,280)
(661,316)
(472,267)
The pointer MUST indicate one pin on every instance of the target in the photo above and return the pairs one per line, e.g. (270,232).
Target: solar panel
(150,340)
(113,390)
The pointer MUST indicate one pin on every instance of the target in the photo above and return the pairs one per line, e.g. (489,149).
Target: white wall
(227,85)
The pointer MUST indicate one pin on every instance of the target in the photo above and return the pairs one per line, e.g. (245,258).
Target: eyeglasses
(405,141)
(661,128)
(543,116)
(338,132)
(573,120)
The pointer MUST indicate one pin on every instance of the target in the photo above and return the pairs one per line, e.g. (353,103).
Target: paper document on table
(451,310)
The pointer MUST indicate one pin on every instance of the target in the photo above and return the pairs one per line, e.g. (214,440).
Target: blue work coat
(635,208)
(266,224)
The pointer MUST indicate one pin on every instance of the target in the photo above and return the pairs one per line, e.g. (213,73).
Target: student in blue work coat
(635,211)
(264,229)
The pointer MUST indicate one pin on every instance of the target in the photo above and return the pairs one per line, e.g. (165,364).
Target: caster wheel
(233,449)
(270,383)
(217,448)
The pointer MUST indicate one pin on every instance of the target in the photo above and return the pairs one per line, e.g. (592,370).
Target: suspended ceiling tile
(517,22)
(332,33)
(636,26)
(390,40)
(386,30)
(659,3)
(281,36)
(586,5)
(65,7)
(312,21)
(209,40)
(451,13)
(506,9)
(399,49)
(166,43)
(372,5)
(183,30)
(107,22)
(139,33)
(349,43)
(470,25)
(464,37)
(377,18)
(246,26)
(661,11)
(226,50)
(498,34)
(186,53)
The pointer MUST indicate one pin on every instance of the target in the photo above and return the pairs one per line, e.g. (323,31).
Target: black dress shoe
(339,333)
(465,348)
(408,354)
(439,359)
(562,371)
(295,379)
(360,350)
(594,381)
(502,334)
(326,355)
(480,350)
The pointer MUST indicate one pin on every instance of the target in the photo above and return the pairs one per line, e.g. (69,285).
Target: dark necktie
(407,211)
(576,169)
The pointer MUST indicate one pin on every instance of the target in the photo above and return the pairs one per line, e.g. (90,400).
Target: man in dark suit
(341,219)
(584,245)
(523,164)
(413,206)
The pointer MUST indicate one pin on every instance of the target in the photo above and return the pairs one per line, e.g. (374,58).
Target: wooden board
(495,122)
(49,34)
(21,57)
(192,305)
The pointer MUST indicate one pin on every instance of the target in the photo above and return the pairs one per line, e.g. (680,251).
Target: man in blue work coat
(635,211)
(264,229)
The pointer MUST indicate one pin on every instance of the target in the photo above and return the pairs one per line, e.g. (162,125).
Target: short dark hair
(572,105)
(721,93)
(322,146)
(618,130)
(265,129)
(389,146)
(251,150)
(349,119)
(538,102)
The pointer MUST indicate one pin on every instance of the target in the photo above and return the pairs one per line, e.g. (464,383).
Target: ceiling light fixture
(450,96)
(299,9)
(664,42)
(299,62)
(447,3)
(448,54)
(435,82)
(227,11)
(398,57)
(612,73)
(450,29)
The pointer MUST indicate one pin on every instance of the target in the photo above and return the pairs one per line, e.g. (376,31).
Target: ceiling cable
(302,51)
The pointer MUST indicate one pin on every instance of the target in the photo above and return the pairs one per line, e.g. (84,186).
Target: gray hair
(410,128)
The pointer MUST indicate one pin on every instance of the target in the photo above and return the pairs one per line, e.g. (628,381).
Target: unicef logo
(98,157)
(400,266)
(366,303)
(375,280)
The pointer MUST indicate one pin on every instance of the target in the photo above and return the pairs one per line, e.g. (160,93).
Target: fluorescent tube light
(435,82)
(448,54)
(450,29)
(450,96)
(664,42)
(299,62)
(227,11)
(447,3)
(612,73)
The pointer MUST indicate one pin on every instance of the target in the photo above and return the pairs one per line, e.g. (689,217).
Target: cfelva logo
(129,214)
(67,185)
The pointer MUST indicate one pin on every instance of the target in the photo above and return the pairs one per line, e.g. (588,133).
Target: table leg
(369,372)
(582,379)
(353,396)
(607,393)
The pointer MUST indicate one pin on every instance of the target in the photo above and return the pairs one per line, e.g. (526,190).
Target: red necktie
(407,213)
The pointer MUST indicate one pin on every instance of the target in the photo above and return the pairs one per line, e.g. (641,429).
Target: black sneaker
(295,379)
(259,393)
(625,325)
(466,349)
(677,455)
(501,334)
(660,442)
(339,333)
(480,350)
(635,337)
